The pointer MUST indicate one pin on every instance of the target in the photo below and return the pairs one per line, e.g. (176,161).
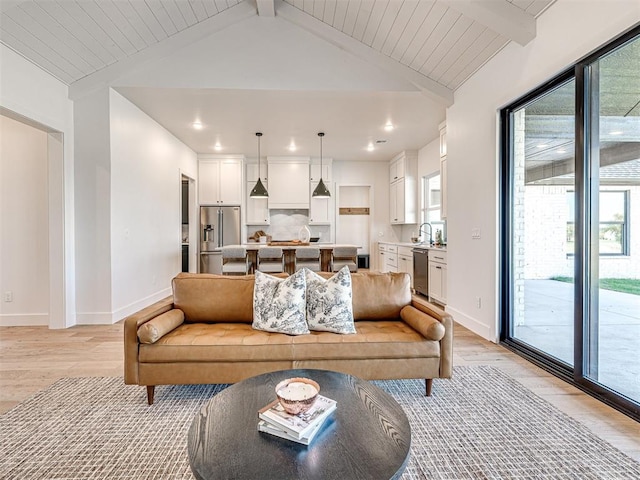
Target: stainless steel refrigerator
(219,226)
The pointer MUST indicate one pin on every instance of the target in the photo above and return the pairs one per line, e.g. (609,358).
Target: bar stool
(308,257)
(234,261)
(342,256)
(270,260)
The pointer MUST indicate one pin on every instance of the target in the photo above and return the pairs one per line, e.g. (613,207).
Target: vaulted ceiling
(431,45)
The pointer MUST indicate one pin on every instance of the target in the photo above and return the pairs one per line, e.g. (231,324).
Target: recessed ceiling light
(217,146)
(542,145)
(292,146)
(616,132)
(197,125)
(370,147)
(561,150)
(389,126)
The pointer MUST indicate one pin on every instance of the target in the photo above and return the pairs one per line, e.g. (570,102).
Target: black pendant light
(259,191)
(321,191)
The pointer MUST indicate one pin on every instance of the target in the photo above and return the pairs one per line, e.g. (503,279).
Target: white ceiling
(431,45)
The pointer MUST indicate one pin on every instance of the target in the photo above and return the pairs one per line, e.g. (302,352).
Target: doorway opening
(188,232)
(354,219)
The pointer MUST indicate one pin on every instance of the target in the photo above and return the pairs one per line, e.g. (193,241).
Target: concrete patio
(548,326)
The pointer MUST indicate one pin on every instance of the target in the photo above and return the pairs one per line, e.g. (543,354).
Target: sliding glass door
(611,356)
(571,227)
(543,183)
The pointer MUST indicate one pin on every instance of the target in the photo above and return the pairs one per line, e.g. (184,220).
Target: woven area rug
(480,425)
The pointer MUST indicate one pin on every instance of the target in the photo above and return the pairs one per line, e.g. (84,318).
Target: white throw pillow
(279,304)
(329,306)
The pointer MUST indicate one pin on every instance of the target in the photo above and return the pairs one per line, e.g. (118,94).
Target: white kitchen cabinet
(252,172)
(387,257)
(396,169)
(288,183)
(405,261)
(403,188)
(397,202)
(320,209)
(443,170)
(438,276)
(220,180)
(257,208)
(314,170)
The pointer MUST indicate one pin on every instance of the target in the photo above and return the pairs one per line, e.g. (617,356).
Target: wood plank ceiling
(73,39)
(440,40)
(430,37)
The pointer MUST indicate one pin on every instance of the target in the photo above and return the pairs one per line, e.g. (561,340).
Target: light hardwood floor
(31,358)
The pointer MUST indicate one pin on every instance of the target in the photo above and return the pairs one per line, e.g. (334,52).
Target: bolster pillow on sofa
(429,327)
(153,330)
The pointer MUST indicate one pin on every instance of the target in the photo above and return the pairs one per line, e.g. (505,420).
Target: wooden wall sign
(354,211)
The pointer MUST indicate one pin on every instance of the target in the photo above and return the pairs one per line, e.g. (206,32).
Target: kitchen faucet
(430,232)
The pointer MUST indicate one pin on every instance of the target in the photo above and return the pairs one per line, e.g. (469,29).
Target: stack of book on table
(299,428)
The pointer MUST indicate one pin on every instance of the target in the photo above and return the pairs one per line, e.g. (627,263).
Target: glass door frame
(587,147)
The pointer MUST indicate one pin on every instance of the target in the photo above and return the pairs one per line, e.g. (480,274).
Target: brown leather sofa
(203,335)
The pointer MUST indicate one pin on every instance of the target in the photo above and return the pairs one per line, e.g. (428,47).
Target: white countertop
(423,246)
(321,246)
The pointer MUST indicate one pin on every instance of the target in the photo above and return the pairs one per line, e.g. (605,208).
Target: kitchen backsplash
(285,225)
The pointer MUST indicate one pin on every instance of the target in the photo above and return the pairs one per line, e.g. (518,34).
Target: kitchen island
(289,251)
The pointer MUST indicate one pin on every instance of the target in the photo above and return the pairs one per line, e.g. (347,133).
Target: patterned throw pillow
(329,306)
(279,304)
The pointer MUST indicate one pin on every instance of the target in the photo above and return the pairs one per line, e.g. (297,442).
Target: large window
(432,205)
(570,256)
(614,222)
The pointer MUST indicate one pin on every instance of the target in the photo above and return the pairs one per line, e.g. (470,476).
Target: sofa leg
(428,383)
(150,391)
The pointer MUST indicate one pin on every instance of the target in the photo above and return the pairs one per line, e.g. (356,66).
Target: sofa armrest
(131,324)
(446,344)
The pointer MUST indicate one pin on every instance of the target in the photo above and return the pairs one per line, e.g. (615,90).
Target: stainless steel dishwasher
(420,271)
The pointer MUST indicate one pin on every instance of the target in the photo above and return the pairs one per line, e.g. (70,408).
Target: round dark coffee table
(367,437)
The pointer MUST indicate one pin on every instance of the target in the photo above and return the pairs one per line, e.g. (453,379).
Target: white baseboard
(109,318)
(24,319)
(93,318)
(472,324)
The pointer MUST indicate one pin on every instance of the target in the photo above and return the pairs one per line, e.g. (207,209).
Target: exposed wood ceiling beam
(500,16)
(266,8)
(427,86)
(180,40)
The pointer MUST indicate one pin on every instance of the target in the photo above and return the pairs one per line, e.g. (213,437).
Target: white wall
(472,151)
(266,53)
(93,208)
(429,159)
(30,92)
(146,167)
(24,224)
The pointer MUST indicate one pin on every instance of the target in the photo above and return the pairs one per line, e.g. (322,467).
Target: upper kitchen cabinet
(252,172)
(321,210)
(403,188)
(257,210)
(396,169)
(220,179)
(288,182)
(315,173)
(443,169)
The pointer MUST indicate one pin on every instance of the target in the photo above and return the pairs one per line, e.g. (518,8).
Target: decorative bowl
(297,395)
(415,239)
